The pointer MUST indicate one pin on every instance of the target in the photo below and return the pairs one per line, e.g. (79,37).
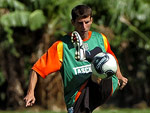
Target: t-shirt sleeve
(51,61)
(107,47)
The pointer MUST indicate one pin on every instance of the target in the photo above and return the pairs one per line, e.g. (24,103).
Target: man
(83,92)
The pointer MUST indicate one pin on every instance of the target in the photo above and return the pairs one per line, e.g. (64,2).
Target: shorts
(92,96)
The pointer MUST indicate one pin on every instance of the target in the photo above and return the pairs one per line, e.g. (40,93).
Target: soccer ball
(104,65)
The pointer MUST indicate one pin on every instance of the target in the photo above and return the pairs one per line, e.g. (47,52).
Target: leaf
(15,19)
(36,20)
(12,4)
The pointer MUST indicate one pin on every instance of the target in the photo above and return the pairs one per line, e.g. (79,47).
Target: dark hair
(81,11)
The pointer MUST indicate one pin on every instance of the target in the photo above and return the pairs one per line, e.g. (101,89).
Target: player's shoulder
(95,33)
(104,36)
(56,45)
(57,42)
(99,35)
(66,38)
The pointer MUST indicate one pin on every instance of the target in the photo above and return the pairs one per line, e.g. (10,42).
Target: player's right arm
(30,98)
(51,61)
(48,63)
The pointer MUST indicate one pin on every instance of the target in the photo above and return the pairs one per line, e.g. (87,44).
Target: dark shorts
(93,95)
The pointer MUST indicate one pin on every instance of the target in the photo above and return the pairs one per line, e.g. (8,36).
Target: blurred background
(29,27)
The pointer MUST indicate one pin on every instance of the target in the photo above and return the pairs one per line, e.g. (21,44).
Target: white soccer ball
(104,65)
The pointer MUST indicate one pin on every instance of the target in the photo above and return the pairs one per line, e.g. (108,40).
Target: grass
(96,111)
(123,111)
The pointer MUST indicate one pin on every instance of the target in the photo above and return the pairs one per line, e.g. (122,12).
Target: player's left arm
(122,80)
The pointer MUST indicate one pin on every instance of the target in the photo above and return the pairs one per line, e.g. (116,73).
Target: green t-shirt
(75,73)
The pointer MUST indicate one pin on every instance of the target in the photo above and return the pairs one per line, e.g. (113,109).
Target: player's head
(82,19)
(81,11)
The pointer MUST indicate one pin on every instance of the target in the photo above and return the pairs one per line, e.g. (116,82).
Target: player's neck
(84,36)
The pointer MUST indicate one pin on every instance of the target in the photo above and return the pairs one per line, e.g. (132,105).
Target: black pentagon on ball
(98,63)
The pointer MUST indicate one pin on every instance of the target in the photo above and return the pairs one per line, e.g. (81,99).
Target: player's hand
(122,82)
(29,99)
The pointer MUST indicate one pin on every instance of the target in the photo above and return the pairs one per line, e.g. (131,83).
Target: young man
(83,92)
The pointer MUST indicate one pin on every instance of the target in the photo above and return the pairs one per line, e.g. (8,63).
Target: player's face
(82,25)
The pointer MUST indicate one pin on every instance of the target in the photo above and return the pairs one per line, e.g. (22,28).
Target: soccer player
(83,91)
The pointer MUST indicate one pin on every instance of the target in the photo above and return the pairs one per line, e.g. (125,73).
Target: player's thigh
(99,93)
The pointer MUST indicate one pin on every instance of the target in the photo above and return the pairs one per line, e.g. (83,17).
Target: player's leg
(90,54)
(100,93)
(78,44)
(94,95)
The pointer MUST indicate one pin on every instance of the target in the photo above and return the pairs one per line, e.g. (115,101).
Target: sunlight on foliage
(36,19)
(15,19)
(13,4)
